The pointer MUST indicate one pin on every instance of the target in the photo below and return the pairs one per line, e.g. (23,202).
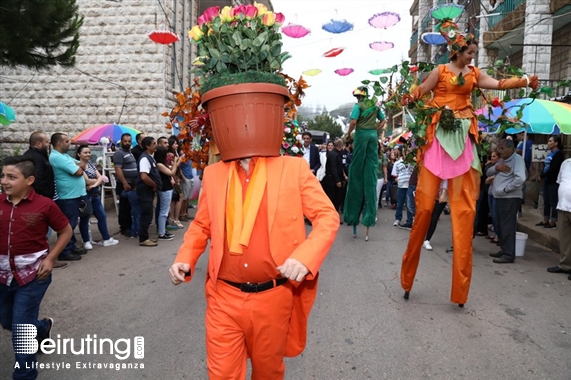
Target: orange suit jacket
(292,192)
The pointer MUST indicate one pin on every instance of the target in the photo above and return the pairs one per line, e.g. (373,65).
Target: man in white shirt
(564,217)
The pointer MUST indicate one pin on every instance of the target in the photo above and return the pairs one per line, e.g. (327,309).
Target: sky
(328,88)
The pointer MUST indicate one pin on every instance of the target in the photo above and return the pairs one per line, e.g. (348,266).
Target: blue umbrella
(7,114)
(337,26)
(433,38)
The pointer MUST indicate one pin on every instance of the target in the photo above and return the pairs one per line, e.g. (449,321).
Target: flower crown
(454,37)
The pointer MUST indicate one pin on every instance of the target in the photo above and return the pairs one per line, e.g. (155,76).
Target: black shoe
(548,226)
(557,270)
(497,255)
(126,233)
(79,251)
(165,237)
(569,278)
(406,226)
(541,224)
(503,260)
(68,257)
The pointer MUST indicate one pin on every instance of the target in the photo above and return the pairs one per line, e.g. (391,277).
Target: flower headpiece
(455,38)
(449,29)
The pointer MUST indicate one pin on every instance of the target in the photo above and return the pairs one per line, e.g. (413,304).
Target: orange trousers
(246,325)
(463,192)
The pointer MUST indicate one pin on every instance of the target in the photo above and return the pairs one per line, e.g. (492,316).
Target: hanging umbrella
(7,114)
(112,131)
(333,52)
(381,45)
(311,72)
(433,38)
(380,71)
(542,116)
(384,20)
(344,72)
(295,30)
(164,37)
(337,26)
(447,11)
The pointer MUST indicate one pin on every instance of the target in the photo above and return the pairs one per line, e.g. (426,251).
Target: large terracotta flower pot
(247,119)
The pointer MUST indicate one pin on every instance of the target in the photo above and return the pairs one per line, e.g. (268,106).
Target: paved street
(516,324)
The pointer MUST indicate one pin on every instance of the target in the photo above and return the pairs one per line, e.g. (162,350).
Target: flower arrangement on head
(237,45)
(292,142)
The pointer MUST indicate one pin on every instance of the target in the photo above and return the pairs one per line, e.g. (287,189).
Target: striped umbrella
(112,131)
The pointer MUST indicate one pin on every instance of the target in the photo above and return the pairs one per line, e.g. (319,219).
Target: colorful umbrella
(433,38)
(380,71)
(542,116)
(112,131)
(164,37)
(381,45)
(311,72)
(333,52)
(447,11)
(344,72)
(295,30)
(337,26)
(7,114)
(384,20)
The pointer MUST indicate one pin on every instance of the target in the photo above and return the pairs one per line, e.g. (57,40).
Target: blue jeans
(99,213)
(70,208)
(135,212)
(164,200)
(410,206)
(21,304)
(401,202)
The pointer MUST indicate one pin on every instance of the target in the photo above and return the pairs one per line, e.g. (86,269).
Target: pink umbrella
(381,45)
(384,20)
(344,72)
(295,30)
(333,52)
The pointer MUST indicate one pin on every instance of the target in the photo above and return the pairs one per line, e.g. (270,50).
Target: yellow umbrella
(312,72)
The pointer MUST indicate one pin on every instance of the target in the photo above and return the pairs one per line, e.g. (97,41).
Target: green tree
(39,33)
(326,123)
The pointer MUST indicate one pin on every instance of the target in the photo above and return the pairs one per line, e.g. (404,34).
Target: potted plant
(240,58)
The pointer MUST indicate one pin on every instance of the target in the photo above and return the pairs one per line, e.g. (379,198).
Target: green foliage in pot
(238,45)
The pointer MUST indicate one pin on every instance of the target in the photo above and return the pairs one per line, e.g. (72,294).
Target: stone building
(121,76)
(532,34)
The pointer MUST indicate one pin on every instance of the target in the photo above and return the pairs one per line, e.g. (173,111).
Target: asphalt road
(515,325)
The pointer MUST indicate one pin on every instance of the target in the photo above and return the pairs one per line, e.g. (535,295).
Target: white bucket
(520,239)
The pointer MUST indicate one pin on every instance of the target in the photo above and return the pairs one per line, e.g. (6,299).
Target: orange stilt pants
(241,325)
(463,193)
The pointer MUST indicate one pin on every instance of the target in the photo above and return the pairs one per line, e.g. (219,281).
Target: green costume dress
(362,185)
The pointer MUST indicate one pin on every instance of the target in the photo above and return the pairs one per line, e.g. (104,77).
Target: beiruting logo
(25,342)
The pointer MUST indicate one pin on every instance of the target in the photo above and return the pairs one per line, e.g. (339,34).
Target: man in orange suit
(262,272)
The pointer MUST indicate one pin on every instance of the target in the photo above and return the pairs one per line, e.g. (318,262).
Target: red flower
(413,69)
(280,18)
(497,102)
(208,15)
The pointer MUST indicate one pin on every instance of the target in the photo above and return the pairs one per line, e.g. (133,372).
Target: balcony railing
(414,39)
(504,9)
(425,24)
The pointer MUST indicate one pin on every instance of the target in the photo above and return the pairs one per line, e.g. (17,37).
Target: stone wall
(561,55)
(121,76)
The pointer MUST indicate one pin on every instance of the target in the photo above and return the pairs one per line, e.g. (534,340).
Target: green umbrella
(7,114)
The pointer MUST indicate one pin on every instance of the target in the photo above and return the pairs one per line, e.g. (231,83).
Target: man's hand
(177,272)
(490,179)
(293,270)
(503,168)
(126,186)
(45,268)
(339,184)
